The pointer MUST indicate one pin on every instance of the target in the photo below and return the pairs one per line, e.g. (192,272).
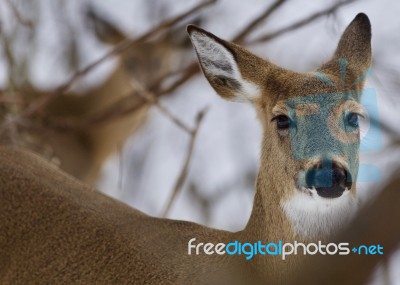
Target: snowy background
(219,189)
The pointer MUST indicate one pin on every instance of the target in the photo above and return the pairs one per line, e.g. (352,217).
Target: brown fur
(56,230)
(82,152)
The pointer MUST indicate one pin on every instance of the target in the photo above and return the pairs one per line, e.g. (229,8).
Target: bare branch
(21,19)
(300,23)
(240,37)
(192,132)
(132,103)
(257,21)
(10,60)
(191,70)
(185,169)
(125,44)
(153,101)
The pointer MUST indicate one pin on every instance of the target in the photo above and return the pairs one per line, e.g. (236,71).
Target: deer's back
(57,230)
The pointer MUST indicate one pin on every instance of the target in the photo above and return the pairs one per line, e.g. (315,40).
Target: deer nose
(330,182)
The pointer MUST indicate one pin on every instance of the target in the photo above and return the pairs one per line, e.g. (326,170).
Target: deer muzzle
(329,179)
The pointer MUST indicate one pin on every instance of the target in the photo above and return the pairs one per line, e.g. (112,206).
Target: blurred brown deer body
(81,150)
(72,130)
(56,230)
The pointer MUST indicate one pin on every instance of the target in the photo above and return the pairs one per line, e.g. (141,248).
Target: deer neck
(268,221)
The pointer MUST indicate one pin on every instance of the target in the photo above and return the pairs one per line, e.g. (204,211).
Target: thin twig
(257,21)
(122,107)
(10,60)
(125,44)
(151,99)
(193,67)
(300,23)
(241,37)
(185,169)
(155,84)
(191,70)
(141,91)
(125,106)
(21,19)
(167,113)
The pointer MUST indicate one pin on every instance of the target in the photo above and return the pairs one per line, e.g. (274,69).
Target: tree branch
(257,21)
(21,19)
(37,105)
(185,168)
(300,23)
(131,103)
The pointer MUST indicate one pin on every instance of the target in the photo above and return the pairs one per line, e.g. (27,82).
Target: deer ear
(104,30)
(355,44)
(219,62)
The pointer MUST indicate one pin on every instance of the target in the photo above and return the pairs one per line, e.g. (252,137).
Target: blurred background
(110,91)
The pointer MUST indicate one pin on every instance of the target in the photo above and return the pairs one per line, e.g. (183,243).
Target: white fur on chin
(313,216)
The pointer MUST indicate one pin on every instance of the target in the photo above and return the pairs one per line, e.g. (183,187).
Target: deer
(57,230)
(82,150)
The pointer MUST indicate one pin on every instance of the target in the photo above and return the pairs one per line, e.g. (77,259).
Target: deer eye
(352,120)
(282,121)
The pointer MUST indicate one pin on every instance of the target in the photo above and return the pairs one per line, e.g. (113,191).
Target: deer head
(83,150)
(145,61)
(311,137)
